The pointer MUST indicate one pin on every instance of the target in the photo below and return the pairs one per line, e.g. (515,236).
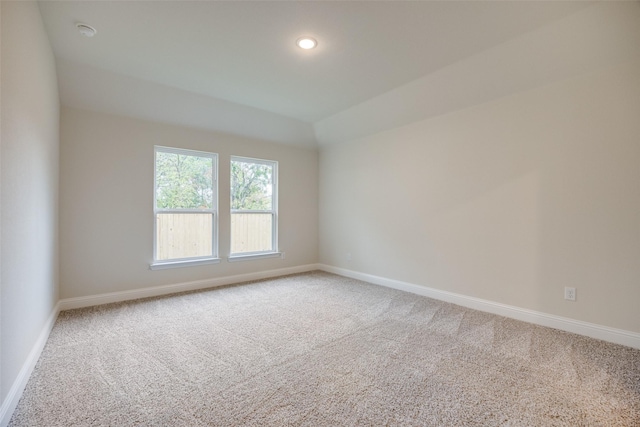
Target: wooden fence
(189,235)
(184,235)
(251,232)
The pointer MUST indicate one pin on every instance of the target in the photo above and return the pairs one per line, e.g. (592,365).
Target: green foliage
(183,181)
(251,186)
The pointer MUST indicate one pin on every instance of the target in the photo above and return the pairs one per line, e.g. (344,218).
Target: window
(254,204)
(185,203)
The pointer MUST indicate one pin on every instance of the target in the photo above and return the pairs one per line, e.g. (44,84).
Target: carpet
(316,349)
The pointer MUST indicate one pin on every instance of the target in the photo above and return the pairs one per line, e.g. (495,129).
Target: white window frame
(274,252)
(184,262)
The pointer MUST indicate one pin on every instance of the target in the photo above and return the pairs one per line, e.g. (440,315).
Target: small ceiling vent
(86,30)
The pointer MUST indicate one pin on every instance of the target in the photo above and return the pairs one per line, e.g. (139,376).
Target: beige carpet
(321,350)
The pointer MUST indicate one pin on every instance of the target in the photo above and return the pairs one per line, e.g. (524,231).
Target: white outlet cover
(570,294)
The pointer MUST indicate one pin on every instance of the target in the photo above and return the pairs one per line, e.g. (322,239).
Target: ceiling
(233,66)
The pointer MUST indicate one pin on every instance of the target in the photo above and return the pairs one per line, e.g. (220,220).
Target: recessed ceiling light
(86,30)
(306,43)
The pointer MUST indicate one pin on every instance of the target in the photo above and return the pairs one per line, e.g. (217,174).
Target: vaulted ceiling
(234,67)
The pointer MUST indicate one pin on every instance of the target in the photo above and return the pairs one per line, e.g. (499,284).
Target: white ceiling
(233,66)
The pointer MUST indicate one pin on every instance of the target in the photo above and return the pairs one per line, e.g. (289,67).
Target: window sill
(238,257)
(184,263)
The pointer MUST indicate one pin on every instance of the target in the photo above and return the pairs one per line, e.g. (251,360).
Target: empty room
(320,213)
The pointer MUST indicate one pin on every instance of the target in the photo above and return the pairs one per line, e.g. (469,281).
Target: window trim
(188,261)
(248,256)
(185,262)
(274,252)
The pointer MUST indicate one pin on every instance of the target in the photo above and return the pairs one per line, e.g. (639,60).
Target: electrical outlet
(282,254)
(570,294)
(348,256)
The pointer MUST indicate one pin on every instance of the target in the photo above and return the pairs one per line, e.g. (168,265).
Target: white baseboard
(89,301)
(605,333)
(15,393)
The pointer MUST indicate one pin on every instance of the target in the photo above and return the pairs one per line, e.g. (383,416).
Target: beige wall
(28,186)
(106,202)
(509,201)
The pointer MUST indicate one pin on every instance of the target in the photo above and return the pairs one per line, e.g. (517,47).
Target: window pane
(251,186)
(183,181)
(184,235)
(251,232)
